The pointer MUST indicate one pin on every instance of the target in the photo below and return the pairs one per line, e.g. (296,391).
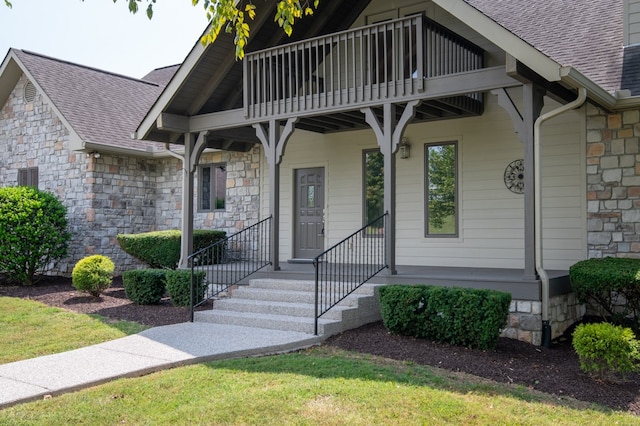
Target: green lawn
(319,386)
(29,329)
(322,385)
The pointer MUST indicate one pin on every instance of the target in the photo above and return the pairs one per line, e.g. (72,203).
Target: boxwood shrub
(93,274)
(144,286)
(161,249)
(461,316)
(612,286)
(179,285)
(606,350)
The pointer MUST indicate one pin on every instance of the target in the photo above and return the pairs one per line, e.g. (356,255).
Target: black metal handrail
(229,261)
(349,264)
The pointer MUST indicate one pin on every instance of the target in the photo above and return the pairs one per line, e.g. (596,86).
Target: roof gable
(101,108)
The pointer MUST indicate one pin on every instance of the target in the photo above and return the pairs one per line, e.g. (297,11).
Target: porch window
(373,188)
(441,210)
(28,177)
(213,186)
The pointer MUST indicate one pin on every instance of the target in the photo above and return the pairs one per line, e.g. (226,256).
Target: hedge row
(612,286)
(161,249)
(468,317)
(148,286)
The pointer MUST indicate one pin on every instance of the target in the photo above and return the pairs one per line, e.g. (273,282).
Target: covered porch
(405,77)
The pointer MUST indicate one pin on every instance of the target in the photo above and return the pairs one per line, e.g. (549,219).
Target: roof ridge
(62,61)
(165,67)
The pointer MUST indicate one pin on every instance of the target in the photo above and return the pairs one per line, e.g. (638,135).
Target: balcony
(329,76)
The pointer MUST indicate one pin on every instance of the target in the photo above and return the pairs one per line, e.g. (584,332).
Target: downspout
(544,278)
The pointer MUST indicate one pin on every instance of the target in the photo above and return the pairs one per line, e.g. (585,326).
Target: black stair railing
(229,261)
(346,266)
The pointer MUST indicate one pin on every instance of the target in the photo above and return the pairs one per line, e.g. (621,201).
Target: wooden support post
(192,151)
(388,134)
(274,141)
(533,101)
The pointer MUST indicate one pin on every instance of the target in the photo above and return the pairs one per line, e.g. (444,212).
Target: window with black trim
(28,177)
(213,187)
(441,189)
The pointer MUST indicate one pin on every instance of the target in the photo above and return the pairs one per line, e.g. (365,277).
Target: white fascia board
(628,102)
(503,38)
(576,79)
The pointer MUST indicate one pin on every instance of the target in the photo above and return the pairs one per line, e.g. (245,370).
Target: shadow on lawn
(329,362)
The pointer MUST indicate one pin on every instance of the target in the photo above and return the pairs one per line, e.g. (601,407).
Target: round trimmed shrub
(33,232)
(93,274)
(605,349)
(179,286)
(144,286)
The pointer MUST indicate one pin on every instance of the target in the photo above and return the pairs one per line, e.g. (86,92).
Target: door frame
(294,205)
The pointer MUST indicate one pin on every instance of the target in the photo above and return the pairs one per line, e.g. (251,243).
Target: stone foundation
(525,318)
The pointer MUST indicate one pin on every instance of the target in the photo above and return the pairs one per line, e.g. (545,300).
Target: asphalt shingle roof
(102,107)
(161,76)
(585,35)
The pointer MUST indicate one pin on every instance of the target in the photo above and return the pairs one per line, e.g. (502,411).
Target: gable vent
(29,92)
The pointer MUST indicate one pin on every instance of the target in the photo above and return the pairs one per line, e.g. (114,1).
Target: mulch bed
(554,370)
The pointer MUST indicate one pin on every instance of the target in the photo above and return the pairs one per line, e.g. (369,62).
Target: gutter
(544,278)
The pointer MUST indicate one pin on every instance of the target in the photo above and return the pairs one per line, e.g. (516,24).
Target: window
(28,177)
(441,210)
(213,186)
(373,191)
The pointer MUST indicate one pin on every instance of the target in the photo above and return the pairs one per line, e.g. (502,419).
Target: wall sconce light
(94,154)
(405,148)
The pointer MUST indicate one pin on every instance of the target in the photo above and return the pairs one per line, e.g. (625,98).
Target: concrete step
(300,285)
(270,321)
(289,305)
(306,310)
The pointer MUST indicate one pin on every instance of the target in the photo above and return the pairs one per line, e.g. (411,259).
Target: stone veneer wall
(525,318)
(613,183)
(112,194)
(242,200)
(121,195)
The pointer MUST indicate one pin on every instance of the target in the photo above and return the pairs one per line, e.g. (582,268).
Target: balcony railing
(385,61)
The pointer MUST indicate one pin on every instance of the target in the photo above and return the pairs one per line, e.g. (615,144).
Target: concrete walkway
(151,350)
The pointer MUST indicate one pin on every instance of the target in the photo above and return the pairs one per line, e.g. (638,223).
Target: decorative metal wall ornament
(514,176)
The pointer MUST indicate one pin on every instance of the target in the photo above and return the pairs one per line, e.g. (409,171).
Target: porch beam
(172,123)
(388,134)
(274,139)
(436,87)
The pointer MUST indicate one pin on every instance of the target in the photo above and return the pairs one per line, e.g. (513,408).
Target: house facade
(65,128)
(501,142)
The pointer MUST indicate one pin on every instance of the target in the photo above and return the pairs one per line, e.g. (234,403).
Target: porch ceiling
(432,110)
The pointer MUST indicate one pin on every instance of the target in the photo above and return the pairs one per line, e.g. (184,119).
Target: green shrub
(460,316)
(612,286)
(161,249)
(144,286)
(93,274)
(33,232)
(179,285)
(605,349)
